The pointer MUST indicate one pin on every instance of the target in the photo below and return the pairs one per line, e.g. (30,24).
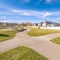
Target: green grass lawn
(40,32)
(21,53)
(56,40)
(5,35)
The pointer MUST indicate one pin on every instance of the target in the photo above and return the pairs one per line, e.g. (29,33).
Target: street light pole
(46,23)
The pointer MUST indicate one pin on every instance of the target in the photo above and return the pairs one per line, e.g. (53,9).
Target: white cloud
(16,11)
(40,14)
(25,1)
(26,14)
(46,14)
(21,12)
(6,21)
(2,17)
(48,1)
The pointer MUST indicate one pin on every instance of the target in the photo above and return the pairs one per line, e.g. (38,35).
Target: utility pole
(46,23)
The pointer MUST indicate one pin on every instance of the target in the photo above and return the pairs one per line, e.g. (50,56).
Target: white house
(49,24)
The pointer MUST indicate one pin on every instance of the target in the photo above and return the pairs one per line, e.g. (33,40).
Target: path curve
(40,44)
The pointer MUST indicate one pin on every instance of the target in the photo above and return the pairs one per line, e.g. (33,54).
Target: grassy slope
(5,35)
(56,40)
(40,32)
(21,53)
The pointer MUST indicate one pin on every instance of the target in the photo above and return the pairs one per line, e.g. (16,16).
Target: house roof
(49,22)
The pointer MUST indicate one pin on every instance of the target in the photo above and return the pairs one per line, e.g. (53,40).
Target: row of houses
(41,24)
(5,24)
(47,24)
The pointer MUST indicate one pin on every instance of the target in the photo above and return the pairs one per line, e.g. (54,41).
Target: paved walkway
(40,44)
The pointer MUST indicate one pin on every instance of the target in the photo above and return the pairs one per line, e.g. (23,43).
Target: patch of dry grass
(40,32)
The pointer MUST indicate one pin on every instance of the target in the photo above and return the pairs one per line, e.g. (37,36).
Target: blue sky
(29,10)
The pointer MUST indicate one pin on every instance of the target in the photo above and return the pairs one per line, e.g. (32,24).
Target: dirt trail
(40,44)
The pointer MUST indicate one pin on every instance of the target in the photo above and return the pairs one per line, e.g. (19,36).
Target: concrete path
(40,44)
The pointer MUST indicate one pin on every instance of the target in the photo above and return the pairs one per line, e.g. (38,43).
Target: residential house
(10,24)
(7,25)
(35,24)
(49,24)
(1,24)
